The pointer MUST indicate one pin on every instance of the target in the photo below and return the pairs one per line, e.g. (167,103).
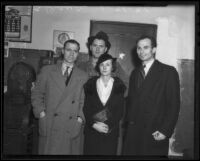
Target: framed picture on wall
(59,38)
(18,23)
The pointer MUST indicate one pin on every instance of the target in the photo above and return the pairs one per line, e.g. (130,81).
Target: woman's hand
(158,136)
(101,127)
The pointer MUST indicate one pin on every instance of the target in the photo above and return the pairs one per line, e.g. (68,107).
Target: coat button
(73,102)
(55,114)
(70,117)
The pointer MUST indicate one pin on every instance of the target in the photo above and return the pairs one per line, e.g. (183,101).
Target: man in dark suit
(57,101)
(153,103)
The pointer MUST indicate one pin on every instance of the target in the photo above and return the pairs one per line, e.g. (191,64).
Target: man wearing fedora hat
(98,45)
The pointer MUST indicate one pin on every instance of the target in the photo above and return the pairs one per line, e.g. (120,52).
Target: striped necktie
(142,71)
(141,75)
(66,74)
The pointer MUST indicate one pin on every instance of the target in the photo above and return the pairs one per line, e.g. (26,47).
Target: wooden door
(123,37)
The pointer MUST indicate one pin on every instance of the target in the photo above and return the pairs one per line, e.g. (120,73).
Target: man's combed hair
(73,42)
(153,40)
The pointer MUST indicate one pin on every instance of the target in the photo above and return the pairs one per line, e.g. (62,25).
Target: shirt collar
(148,65)
(65,65)
(110,82)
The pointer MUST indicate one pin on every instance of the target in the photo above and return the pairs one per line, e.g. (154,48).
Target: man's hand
(79,119)
(42,114)
(101,127)
(158,136)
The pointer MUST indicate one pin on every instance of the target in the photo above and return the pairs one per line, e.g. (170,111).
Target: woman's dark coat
(97,143)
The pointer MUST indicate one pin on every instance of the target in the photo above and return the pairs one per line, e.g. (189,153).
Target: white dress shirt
(104,91)
(148,66)
(64,67)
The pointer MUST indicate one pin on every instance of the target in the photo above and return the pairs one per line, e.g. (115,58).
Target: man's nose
(72,52)
(141,51)
(98,48)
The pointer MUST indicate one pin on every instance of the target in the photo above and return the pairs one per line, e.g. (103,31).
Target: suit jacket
(152,107)
(62,104)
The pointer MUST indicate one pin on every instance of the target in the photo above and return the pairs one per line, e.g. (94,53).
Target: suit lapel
(151,77)
(96,93)
(57,76)
(71,84)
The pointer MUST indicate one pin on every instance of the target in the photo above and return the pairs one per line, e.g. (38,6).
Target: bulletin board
(18,23)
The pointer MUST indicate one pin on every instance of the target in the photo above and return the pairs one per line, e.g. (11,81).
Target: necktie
(66,74)
(141,75)
(142,71)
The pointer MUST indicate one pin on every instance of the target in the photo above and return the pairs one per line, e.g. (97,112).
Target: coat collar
(57,76)
(90,89)
(118,85)
(74,79)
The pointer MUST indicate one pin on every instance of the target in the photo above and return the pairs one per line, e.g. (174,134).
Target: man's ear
(154,50)
(90,47)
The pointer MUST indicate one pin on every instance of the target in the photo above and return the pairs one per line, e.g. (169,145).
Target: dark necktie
(67,75)
(66,72)
(142,71)
(141,75)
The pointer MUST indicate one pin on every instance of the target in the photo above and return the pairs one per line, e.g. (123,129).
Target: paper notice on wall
(25,28)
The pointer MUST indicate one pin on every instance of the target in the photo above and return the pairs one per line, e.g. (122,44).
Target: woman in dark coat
(103,109)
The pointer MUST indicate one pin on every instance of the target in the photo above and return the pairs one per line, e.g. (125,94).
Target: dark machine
(19,124)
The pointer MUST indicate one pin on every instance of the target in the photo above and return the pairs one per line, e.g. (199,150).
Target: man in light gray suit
(57,101)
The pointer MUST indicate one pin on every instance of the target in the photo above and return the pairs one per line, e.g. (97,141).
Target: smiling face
(106,68)
(98,47)
(70,51)
(145,50)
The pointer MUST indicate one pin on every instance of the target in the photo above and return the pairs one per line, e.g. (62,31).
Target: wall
(175,26)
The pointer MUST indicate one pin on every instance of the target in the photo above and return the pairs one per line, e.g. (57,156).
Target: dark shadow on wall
(19,124)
